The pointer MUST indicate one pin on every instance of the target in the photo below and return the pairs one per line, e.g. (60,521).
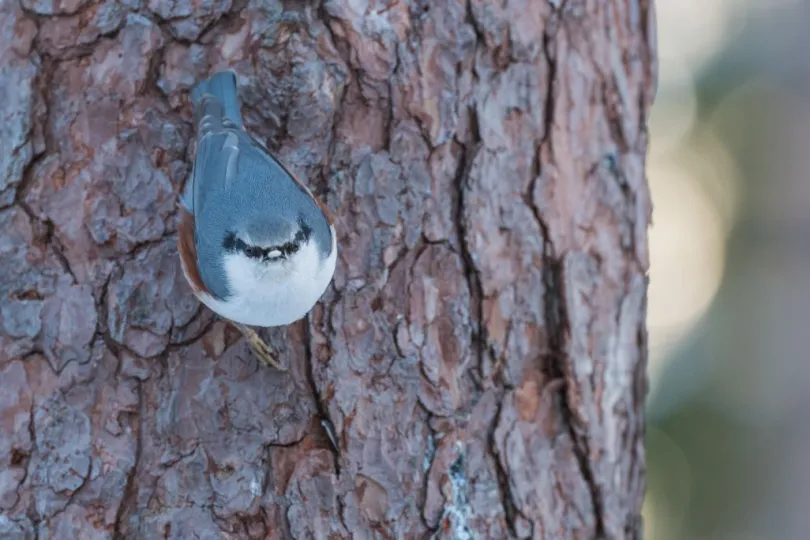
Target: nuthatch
(255,244)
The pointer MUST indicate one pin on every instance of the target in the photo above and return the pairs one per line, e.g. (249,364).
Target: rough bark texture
(481,353)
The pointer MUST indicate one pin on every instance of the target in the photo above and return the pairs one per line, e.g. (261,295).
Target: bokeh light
(729,296)
(675,113)
(686,258)
(695,30)
(692,176)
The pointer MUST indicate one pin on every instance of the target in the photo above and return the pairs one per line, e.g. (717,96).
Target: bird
(255,245)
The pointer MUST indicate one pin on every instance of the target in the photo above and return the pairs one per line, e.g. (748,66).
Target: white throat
(274,294)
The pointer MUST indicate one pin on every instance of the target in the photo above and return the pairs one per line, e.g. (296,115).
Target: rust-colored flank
(188,252)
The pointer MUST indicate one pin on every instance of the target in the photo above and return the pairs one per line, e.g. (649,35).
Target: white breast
(276,294)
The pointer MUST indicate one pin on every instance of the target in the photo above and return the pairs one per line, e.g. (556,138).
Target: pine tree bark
(476,369)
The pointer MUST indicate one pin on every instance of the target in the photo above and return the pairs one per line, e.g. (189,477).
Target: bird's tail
(216,98)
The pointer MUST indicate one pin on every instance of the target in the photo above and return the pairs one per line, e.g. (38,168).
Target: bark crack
(128,501)
(323,15)
(556,317)
(557,323)
(510,509)
(47,234)
(469,151)
(321,407)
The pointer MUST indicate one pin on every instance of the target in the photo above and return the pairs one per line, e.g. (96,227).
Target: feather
(188,253)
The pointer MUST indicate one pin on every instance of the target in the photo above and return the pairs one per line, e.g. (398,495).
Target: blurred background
(728,440)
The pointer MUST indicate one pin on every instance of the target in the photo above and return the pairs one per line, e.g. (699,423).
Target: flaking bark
(481,353)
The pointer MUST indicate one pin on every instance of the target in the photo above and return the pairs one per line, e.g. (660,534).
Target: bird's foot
(261,349)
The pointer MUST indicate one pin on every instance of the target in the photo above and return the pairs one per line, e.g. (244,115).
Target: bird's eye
(252,252)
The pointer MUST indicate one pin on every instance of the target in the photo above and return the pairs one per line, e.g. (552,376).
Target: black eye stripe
(232,243)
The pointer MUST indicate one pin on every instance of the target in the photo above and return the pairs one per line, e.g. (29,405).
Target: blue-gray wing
(215,167)
(219,128)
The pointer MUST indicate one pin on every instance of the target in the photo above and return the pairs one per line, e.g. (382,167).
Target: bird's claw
(261,349)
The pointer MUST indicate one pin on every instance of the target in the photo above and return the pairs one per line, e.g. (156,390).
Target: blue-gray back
(236,184)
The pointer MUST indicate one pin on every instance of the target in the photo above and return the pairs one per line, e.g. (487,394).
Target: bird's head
(272,245)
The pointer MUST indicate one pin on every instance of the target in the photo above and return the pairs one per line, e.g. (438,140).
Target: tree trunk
(476,369)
